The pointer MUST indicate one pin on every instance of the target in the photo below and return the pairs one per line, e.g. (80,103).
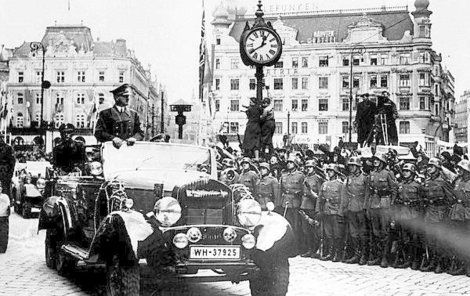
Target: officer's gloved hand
(117,142)
(130,141)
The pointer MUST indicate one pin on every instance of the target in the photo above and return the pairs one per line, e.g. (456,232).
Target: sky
(165,34)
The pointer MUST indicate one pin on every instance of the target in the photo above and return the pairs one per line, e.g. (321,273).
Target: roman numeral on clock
(255,34)
(255,55)
(272,51)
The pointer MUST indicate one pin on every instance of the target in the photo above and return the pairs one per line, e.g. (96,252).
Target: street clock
(261,46)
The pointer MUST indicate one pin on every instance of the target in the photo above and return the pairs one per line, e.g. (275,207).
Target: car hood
(147,178)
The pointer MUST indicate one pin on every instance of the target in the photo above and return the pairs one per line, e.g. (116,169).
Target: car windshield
(143,156)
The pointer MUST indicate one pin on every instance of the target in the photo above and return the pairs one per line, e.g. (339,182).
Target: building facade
(462,110)
(385,49)
(82,72)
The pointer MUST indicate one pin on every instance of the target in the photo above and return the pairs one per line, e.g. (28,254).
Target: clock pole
(259,83)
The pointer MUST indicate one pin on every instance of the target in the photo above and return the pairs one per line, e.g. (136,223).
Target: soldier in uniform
(460,217)
(365,114)
(407,209)
(292,186)
(438,197)
(247,177)
(356,198)
(119,123)
(383,187)
(7,165)
(267,188)
(311,233)
(330,207)
(68,155)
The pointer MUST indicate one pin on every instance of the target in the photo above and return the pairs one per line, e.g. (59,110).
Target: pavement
(24,272)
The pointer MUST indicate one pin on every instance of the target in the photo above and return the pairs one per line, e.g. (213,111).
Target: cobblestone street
(24,272)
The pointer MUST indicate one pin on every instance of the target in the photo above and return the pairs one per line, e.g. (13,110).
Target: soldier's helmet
(228,162)
(310,163)
(292,159)
(435,162)
(331,167)
(264,165)
(245,160)
(409,167)
(66,128)
(464,164)
(354,160)
(381,156)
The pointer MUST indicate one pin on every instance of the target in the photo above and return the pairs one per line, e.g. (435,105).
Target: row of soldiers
(374,218)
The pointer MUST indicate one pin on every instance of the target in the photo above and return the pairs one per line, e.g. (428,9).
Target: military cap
(409,167)
(355,160)
(66,127)
(435,162)
(123,90)
(264,165)
(464,164)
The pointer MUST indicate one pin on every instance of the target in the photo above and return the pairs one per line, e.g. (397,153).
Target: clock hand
(262,44)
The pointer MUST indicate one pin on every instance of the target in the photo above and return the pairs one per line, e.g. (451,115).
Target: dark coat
(112,123)
(68,154)
(252,138)
(365,116)
(7,166)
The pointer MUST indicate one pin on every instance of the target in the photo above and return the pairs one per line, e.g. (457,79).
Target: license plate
(214,252)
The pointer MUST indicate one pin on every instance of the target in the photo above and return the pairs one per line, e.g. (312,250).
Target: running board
(76,252)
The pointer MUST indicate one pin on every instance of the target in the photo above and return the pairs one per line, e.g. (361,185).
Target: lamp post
(357,49)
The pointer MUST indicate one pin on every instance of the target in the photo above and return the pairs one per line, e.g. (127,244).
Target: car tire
(64,264)
(50,249)
(26,210)
(122,280)
(271,280)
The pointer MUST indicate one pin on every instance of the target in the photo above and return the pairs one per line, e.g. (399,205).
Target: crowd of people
(361,208)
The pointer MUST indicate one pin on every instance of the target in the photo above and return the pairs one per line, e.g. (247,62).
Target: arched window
(80,120)
(59,119)
(19,120)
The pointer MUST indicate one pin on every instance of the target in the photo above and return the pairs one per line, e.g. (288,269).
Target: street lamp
(357,49)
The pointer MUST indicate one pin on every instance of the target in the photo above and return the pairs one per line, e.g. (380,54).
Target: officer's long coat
(112,123)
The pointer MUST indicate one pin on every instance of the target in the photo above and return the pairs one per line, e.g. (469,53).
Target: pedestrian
(119,124)
(356,198)
(330,208)
(383,191)
(7,165)
(4,220)
(252,137)
(267,189)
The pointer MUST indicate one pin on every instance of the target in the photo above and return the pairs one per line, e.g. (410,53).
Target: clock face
(262,46)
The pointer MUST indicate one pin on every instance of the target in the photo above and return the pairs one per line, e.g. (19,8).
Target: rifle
(240,144)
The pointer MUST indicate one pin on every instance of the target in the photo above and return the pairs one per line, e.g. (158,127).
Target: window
(422,103)
(19,120)
(323,127)
(121,76)
(217,105)
(323,82)
(277,105)
(278,83)
(217,63)
(295,62)
(20,98)
(60,76)
(423,79)
(81,76)
(278,127)
(59,99)
(38,76)
(38,98)
(404,127)
(345,80)
(373,61)
(234,63)
(279,64)
(345,127)
(252,84)
(345,61)
(100,98)
(234,84)
(345,104)
(304,62)
(384,81)
(217,40)
(405,103)
(234,127)
(80,98)
(304,128)
(101,76)
(80,120)
(373,81)
(37,117)
(436,90)
(304,82)
(59,119)
(295,105)
(304,104)
(404,59)
(356,61)
(217,84)
(20,77)
(383,60)
(404,80)
(323,104)
(424,57)
(295,83)
(323,61)
(234,105)
(356,82)
(294,128)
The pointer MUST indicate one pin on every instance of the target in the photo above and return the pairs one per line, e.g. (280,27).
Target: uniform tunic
(409,200)
(460,211)
(267,190)
(438,196)
(113,123)
(357,192)
(312,183)
(249,179)
(383,189)
(292,186)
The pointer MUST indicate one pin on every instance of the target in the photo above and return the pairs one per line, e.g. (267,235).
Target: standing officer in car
(268,187)
(68,155)
(119,123)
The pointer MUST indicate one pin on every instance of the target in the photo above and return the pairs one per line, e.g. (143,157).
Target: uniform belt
(382,192)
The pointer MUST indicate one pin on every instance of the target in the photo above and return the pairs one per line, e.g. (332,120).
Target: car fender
(120,232)
(55,208)
(274,234)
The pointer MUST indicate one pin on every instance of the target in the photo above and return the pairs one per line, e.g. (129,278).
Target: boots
(440,266)
(374,256)
(338,250)
(328,250)
(384,261)
(364,248)
(457,267)
(467,267)
(432,262)
(408,258)
(415,258)
(357,252)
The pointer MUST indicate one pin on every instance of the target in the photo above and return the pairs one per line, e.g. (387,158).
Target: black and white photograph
(234,148)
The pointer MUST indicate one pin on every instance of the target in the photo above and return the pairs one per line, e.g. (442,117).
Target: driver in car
(68,155)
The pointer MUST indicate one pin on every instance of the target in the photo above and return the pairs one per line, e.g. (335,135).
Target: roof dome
(221,11)
(421,4)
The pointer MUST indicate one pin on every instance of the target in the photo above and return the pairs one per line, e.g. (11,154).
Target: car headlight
(229,234)
(194,234)
(167,211)
(180,240)
(96,168)
(129,203)
(40,183)
(248,241)
(249,212)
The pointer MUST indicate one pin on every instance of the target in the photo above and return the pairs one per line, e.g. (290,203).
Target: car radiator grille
(204,216)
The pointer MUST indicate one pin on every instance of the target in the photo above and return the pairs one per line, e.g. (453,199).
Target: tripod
(379,133)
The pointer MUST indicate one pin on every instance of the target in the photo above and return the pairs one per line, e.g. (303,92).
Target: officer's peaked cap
(124,89)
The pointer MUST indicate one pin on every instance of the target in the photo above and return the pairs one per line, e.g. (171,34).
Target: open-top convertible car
(159,206)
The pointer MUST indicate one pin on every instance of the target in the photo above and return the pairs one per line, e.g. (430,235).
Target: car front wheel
(122,280)
(50,249)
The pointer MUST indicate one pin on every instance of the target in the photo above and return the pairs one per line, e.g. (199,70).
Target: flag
(29,106)
(202,54)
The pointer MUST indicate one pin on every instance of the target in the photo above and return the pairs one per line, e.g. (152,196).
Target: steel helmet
(464,164)
(310,163)
(409,167)
(228,162)
(331,167)
(292,159)
(354,160)
(381,156)
(245,159)
(435,162)
(264,165)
